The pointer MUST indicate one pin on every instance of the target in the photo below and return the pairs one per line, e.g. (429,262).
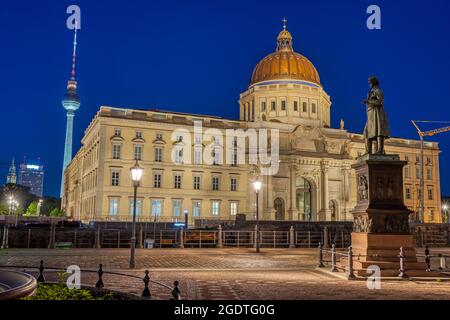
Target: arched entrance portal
(278,204)
(303,199)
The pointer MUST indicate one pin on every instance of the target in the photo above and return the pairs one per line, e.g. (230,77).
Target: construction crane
(423,134)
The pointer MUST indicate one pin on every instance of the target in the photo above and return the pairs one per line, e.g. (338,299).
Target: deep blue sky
(197,56)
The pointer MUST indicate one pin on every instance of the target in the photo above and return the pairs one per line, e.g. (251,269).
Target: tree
(32,209)
(56,212)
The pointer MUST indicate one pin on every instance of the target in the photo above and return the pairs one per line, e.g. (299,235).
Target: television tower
(70,102)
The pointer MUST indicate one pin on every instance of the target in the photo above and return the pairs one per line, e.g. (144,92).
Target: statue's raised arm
(377,127)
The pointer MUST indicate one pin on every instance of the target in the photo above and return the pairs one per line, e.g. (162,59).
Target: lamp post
(136,175)
(445,209)
(257,186)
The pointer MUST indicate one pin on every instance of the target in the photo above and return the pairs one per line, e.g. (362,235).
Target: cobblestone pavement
(224,274)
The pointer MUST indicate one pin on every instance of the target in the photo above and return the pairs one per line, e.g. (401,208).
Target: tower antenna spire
(74,55)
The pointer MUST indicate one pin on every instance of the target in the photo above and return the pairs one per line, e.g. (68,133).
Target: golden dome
(285,64)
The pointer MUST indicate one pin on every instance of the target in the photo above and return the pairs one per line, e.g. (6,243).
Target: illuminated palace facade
(315,181)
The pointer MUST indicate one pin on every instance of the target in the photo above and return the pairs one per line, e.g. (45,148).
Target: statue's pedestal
(381,220)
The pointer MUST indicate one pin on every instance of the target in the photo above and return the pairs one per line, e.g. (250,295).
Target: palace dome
(284,63)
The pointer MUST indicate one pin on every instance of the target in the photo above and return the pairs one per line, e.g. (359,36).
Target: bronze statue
(377,127)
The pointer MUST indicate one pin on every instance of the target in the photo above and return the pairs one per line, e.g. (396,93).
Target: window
(408,193)
(217,157)
(157,180)
(197,183)
(273,105)
(234,158)
(137,152)
(233,184)
(139,134)
(296,106)
(429,174)
(215,183)
(179,138)
(116,151)
(179,156)
(215,208)
(283,105)
(156,208)
(197,155)
(113,206)
(428,161)
(158,154)
(233,208)
(196,208)
(431,215)
(176,207)
(138,206)
(417,159)
(159,136)
(313,108)
(430,194)
(263,106)
(177,181)
(407,172)
(115,178)
(417,173)
(305,107)
(117,132)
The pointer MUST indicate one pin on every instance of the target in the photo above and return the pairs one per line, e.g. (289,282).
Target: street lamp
(136,175)
(445,209)
(257,186)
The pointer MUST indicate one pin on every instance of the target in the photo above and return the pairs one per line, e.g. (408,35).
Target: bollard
(350,274)
(140,237)
(291,237)
(219,237)
(41,272)
(181,238)
(176,293)
(402,271)
(255,236)
(427,259)
(5,236)
(321,265)
(325,237)
(333,258)
(442,262)
(99,283)
(146,292)
(97,244)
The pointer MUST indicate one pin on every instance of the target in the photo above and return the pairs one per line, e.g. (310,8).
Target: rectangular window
(233,184)
(137,152)
(157,180)
(295,106)
(429,174)
(408,193)
(156,208)
(273,105)
(215,183)
(233,208)
(139,134)
(179,155)
(407,172)
(431,215)
(114,206)
(117,132)
(177,182)
(138,206)
(115,178)
(305,107)
(158,154)
(197,156)
(417,173)
(159,136)
(430,194)
(417,159)
(263,106)
(176,207)
(196,183)
(116,151)
(313,108)
(217,157)
(283,105)
(215,208)
(196,208)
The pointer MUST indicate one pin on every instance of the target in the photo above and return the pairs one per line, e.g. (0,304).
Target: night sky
(197,56)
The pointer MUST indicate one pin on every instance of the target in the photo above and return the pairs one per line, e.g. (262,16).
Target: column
(293,212)
(325,191)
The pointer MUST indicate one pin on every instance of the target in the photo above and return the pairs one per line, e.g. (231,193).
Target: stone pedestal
(380,218)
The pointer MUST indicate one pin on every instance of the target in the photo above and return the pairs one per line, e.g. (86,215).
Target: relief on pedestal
(363,188)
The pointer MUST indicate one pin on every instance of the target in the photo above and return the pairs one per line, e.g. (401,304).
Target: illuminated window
(196,208)
(157,208)
(138,206)
(233,208)
(233,184)
(215,208)
(113,206)
(176,207)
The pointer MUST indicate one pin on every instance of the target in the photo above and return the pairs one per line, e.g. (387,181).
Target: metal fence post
(5,236)
(291,237)
(350,274)
(255,236)
(219,237)
(427,258)
(402,271)
(321,265)
(181,238)
(333,258)
(325,237)
(99,283)
(146,292)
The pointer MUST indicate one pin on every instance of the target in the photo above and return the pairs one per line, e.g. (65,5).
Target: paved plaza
(224,274)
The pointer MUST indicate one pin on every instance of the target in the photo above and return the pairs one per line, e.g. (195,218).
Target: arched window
(303,195)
